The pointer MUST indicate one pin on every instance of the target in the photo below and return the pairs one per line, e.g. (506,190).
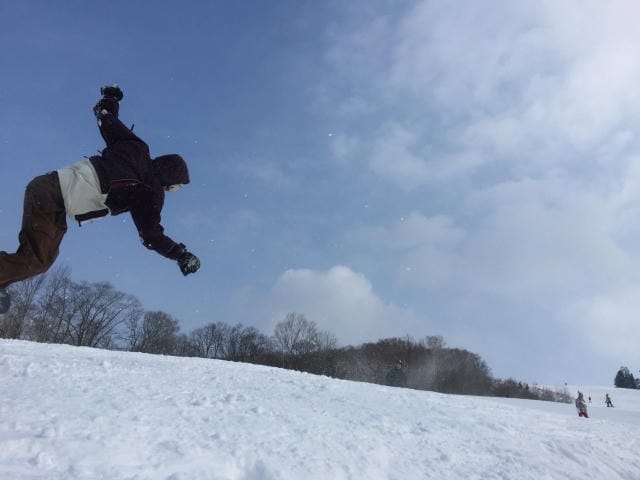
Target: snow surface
(80,413)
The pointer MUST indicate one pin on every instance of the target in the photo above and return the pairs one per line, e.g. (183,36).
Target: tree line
(625,379)
(52,308)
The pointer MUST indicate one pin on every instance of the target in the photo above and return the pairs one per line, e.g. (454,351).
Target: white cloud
(265,171)
(610,323)
(529,239)
(344,147)
(356,105)
(460,55)
(416,230)
(566,65)
(244,219)
(544,238)
(341,301)
(423,251)
(521,119)
(460,86)
(536,99)
(400,155)
(395,156)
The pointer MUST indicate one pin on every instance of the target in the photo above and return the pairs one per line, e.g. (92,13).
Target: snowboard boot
(5,301)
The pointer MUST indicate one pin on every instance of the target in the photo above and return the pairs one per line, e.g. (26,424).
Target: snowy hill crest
(80,413)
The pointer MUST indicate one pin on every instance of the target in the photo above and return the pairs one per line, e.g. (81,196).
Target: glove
(106,106)
(112,91)
(188,263)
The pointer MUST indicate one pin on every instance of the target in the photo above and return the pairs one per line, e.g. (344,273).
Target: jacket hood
(170,170)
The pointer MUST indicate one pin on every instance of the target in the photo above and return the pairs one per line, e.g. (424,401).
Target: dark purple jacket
(134,183)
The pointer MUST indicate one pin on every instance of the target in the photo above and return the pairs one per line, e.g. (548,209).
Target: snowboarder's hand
(106,106)
(112,91)
(188,263)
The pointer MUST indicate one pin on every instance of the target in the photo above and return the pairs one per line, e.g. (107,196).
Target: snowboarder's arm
(145,212)
(106,112)
(146,216)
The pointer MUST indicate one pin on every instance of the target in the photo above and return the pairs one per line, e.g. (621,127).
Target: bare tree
(50,320)
(252,345)
(157,333)
(209,340)
(232,342)
(326,341)
(98,310)
(433,342)
(16,322)
(295,334)
(132,332)
(297,337)
(184,347)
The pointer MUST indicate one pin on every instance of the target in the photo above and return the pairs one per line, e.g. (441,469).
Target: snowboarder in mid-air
(123,178)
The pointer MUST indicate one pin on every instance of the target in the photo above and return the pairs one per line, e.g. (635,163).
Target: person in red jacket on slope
(581,405)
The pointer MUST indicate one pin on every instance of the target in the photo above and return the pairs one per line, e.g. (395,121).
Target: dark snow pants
(43,226)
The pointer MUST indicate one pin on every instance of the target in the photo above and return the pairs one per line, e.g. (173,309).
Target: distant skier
(581,405)
(396,377)
(607,400)
(123,178)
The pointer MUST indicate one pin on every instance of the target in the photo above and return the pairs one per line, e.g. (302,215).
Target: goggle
(173,188)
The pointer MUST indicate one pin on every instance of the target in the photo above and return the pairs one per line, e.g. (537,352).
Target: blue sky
(467,169)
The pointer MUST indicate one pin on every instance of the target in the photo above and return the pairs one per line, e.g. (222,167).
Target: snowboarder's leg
(43,226)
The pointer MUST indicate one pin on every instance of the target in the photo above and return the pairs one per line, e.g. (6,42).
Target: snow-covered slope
(77,413)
